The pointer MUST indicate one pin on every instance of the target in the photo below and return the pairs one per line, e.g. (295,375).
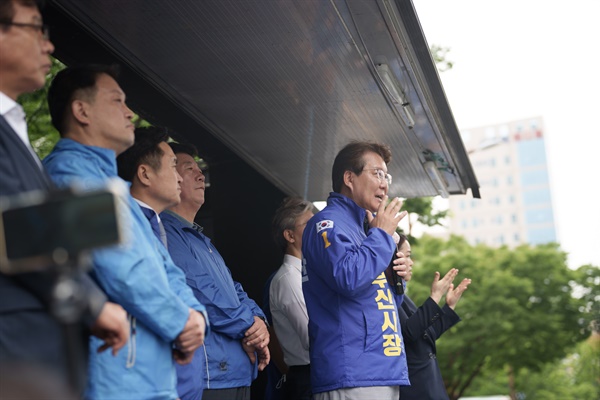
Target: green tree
(420,209)
(42,134)
(574,377)
(587,364)
(519,312)
(588,287)
(439,55)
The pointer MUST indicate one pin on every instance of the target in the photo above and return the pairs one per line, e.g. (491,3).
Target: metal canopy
(286,84)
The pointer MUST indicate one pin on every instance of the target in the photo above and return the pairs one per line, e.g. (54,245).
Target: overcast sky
(515,59)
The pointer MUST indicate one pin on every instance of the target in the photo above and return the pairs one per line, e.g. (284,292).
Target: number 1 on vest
(327,243)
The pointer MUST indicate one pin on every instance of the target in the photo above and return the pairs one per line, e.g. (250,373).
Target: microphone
(397,281)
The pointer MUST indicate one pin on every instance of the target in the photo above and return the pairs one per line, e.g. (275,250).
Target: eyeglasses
(381,175)
(42,29)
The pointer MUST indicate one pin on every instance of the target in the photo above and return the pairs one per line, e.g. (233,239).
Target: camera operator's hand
(388,216)
(439,287)
(454,295)
(257,335)
(112,327)
(192,335)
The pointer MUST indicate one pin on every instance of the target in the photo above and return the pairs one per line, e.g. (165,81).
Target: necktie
(157,227)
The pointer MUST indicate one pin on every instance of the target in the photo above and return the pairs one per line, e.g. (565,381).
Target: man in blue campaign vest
(356,349)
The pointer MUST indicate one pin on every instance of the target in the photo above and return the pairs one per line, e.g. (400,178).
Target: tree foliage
(519,313)
(439,55)
(42,134)
(574,377)
(420,209)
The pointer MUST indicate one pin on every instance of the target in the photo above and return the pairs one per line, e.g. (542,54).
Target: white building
(516,206)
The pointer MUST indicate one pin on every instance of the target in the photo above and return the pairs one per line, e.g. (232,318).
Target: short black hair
(403,239)
(145,150)
(350,158)
(185,148)
(71,83)
(7,9)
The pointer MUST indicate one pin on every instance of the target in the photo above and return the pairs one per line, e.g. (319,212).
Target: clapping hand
(440,286)
(454,295)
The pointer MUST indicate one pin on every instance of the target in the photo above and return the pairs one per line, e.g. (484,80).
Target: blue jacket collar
(106,157)
(358,213)
(184,222)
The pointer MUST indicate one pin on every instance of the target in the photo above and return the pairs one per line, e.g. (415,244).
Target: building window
(514,218)
(531,153)
(539,216)
(534,178)
(533,124)
(539,236)
(538,196)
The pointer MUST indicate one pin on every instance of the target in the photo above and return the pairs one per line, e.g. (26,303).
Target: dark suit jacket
(420,329)
(28,333)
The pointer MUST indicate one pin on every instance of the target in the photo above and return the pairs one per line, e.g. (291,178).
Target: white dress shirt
(15,117)
(288,309)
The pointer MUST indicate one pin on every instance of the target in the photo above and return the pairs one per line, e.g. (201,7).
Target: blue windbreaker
(354,331)
(140,276)
(230,310)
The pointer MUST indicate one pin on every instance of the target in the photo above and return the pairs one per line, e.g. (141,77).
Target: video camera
(41,230)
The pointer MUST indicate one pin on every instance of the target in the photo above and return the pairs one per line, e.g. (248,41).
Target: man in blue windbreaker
(151,167)
(237,344)
(88,108)
(356,349)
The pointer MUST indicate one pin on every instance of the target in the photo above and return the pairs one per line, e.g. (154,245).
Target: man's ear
(288,235)
(349,179)
(143,174)
(80,111)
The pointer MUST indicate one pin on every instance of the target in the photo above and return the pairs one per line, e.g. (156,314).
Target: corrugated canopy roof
(286,84)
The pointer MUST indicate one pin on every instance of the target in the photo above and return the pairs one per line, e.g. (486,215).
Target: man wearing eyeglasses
(29,335)
(356,349)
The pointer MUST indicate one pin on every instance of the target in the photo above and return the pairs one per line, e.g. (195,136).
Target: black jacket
(28,333)
(420,329)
